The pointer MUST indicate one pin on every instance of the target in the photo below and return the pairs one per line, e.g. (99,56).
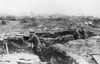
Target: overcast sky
(68,7)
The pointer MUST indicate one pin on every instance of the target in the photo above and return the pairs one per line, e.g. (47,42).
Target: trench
(55,56)
(60,59)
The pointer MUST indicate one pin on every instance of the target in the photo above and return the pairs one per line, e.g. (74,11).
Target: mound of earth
(84,49)
(20,58)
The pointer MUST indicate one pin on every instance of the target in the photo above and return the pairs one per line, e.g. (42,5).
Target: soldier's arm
(30,39)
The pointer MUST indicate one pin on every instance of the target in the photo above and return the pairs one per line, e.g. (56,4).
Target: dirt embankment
(20,58)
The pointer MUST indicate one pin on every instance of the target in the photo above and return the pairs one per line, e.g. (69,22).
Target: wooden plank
(97,58)
(7,50)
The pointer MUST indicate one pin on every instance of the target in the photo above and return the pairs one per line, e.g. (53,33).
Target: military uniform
(37,45)
(34,40)
(82,31)
(76,34)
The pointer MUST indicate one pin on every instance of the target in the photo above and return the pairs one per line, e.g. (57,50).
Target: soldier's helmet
(31,31)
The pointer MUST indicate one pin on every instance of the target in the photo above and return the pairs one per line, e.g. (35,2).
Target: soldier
(83,33)
(34,40)
(76,33)
(36,44)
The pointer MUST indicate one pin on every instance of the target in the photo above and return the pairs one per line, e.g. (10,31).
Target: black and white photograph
(49,31)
